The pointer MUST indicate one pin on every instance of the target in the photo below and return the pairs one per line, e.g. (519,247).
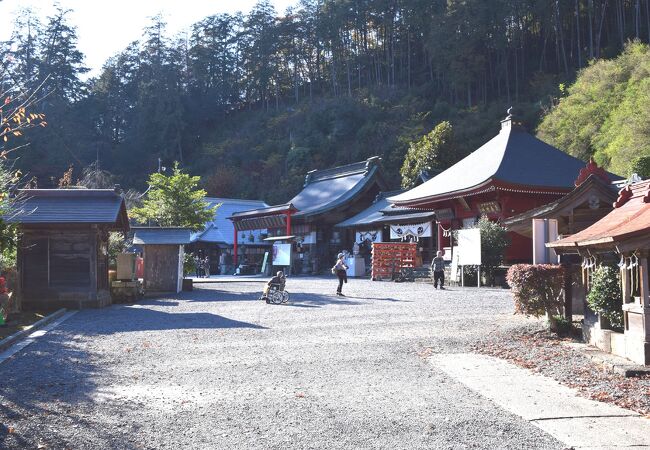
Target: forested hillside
(606,113)
(251,102)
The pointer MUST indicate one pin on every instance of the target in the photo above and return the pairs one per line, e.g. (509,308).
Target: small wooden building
(63,246)
(163,254)
(622,235)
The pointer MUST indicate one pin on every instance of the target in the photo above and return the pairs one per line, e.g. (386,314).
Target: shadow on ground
(47,379)
(301,299)
(140,318)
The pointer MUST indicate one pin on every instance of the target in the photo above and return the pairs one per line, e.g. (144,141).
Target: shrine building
(308,220)
(512,173)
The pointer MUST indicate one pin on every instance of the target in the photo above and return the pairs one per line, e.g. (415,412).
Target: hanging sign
(372,236)
(415,231)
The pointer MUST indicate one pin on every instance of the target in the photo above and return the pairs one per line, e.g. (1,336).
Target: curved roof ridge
(472,171)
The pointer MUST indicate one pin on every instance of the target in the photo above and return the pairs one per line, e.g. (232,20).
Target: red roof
(630,218)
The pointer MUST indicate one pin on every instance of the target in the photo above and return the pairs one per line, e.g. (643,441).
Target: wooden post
(288,223)
(568,292)
(235,247)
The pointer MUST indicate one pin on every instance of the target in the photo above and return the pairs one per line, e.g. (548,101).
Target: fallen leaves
(544,353)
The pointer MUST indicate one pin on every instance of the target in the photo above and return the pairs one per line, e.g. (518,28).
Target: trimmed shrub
(537,289)
(605,296)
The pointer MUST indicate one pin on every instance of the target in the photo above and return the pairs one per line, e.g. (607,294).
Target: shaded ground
(19,321)
(535,348)
(215,368)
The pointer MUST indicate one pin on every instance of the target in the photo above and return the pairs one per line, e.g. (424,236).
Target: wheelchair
(277,295)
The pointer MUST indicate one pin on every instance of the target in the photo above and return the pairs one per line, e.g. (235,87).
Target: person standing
(206,267)
(340,270)
(438,269)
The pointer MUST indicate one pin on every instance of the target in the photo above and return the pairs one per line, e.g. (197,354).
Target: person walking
(339,270)
(438,269)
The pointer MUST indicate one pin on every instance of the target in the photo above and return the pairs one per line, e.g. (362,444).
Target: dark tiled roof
(268,210)
(161,235)
(513,156)
(220,229)
(326,190)
(381,212)
(41,206)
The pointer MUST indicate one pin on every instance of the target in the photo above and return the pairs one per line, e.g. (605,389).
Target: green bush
(494,241)
(537,289)
(605,296)
(641,166)
(189,264)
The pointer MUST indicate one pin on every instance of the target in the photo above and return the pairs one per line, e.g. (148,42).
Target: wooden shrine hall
(512,173)
(308,220)
(63,245)
(621,236)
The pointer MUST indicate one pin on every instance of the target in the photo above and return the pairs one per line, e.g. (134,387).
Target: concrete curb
(22,334)
(611,363)
(578,422)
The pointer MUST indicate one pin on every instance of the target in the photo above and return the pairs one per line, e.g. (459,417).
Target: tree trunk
(578,34)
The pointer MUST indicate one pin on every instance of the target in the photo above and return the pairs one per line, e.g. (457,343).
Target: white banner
(372,236)
(416,231)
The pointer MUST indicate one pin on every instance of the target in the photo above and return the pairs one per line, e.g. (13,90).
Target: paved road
(216,369)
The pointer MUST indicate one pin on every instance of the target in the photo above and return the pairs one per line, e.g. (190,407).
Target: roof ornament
(589,169)
(623,196)
(512,120)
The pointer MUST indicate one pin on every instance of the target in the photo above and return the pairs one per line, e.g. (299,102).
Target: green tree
(641,166)
(494,241)
(435,150)
(605,112)
(174,201)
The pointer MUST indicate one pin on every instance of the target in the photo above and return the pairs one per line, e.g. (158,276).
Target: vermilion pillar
(288,223)
(235,241)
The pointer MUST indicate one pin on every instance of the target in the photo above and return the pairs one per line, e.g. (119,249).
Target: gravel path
(216,369)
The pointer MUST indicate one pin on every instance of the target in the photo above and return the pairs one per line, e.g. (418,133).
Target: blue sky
(105,27)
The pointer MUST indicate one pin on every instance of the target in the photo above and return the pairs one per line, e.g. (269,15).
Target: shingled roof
(70,206)
(327,190)
(514,158)
(219,230)
(161,235)
(382,212)
(629,219)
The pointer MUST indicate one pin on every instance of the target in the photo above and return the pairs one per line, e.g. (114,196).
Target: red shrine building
(512,173)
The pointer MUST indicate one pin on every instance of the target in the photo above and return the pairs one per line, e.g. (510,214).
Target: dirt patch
(546,353)
(19,321)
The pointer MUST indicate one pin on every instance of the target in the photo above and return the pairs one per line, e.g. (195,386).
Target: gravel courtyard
(215,368)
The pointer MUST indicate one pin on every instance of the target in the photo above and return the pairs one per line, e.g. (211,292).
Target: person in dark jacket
(340,270)
(438,269)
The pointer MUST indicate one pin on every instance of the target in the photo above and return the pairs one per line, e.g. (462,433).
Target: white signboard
(454,265)
(469,247)
(416,231)
(281,254)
